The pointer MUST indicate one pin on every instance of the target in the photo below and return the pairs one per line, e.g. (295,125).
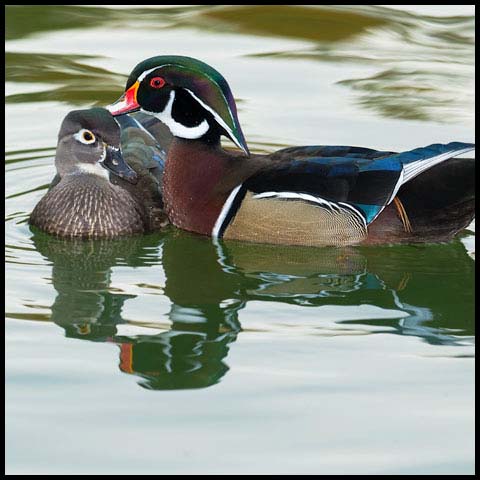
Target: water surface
(170,354)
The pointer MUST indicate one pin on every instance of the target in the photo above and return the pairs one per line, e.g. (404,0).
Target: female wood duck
(315,195)
(84,200)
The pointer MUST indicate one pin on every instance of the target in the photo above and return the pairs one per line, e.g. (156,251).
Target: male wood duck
(312,195)
(84,199)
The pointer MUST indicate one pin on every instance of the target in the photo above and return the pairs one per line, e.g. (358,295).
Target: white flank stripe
(225,209)
(332,206)
(298,196)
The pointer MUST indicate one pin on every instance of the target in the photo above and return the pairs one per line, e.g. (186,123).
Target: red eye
(157,82)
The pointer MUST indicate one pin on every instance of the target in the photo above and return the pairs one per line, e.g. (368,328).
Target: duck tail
(431,207)
(441,201)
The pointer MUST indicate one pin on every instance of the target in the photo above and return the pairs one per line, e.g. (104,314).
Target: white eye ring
(85,136)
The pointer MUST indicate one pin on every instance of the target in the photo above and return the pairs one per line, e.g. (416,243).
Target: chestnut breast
(192,190)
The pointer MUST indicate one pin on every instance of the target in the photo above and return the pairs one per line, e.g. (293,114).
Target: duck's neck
(193,172)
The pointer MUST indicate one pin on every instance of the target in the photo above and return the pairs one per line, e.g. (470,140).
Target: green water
(170,354)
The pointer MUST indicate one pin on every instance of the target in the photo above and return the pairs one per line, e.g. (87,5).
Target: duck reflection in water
(208,284)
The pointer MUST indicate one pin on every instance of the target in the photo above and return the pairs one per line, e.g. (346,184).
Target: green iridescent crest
(205,83)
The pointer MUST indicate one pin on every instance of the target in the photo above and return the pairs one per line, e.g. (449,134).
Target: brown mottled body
(88,206)
(87,199)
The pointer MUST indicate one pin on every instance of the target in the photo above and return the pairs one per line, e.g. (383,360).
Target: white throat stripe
(177,128)
(93,169)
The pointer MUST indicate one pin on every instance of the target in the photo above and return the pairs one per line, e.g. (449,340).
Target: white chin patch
(93,169)
(177,129)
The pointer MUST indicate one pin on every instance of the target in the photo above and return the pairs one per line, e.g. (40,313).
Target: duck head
(89,142)
(187,95)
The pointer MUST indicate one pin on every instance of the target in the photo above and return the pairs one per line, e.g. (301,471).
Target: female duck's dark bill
(127,103)
(115,162)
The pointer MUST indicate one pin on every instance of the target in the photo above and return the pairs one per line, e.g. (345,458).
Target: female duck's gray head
(89,142)
(84,200)
(189,96)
